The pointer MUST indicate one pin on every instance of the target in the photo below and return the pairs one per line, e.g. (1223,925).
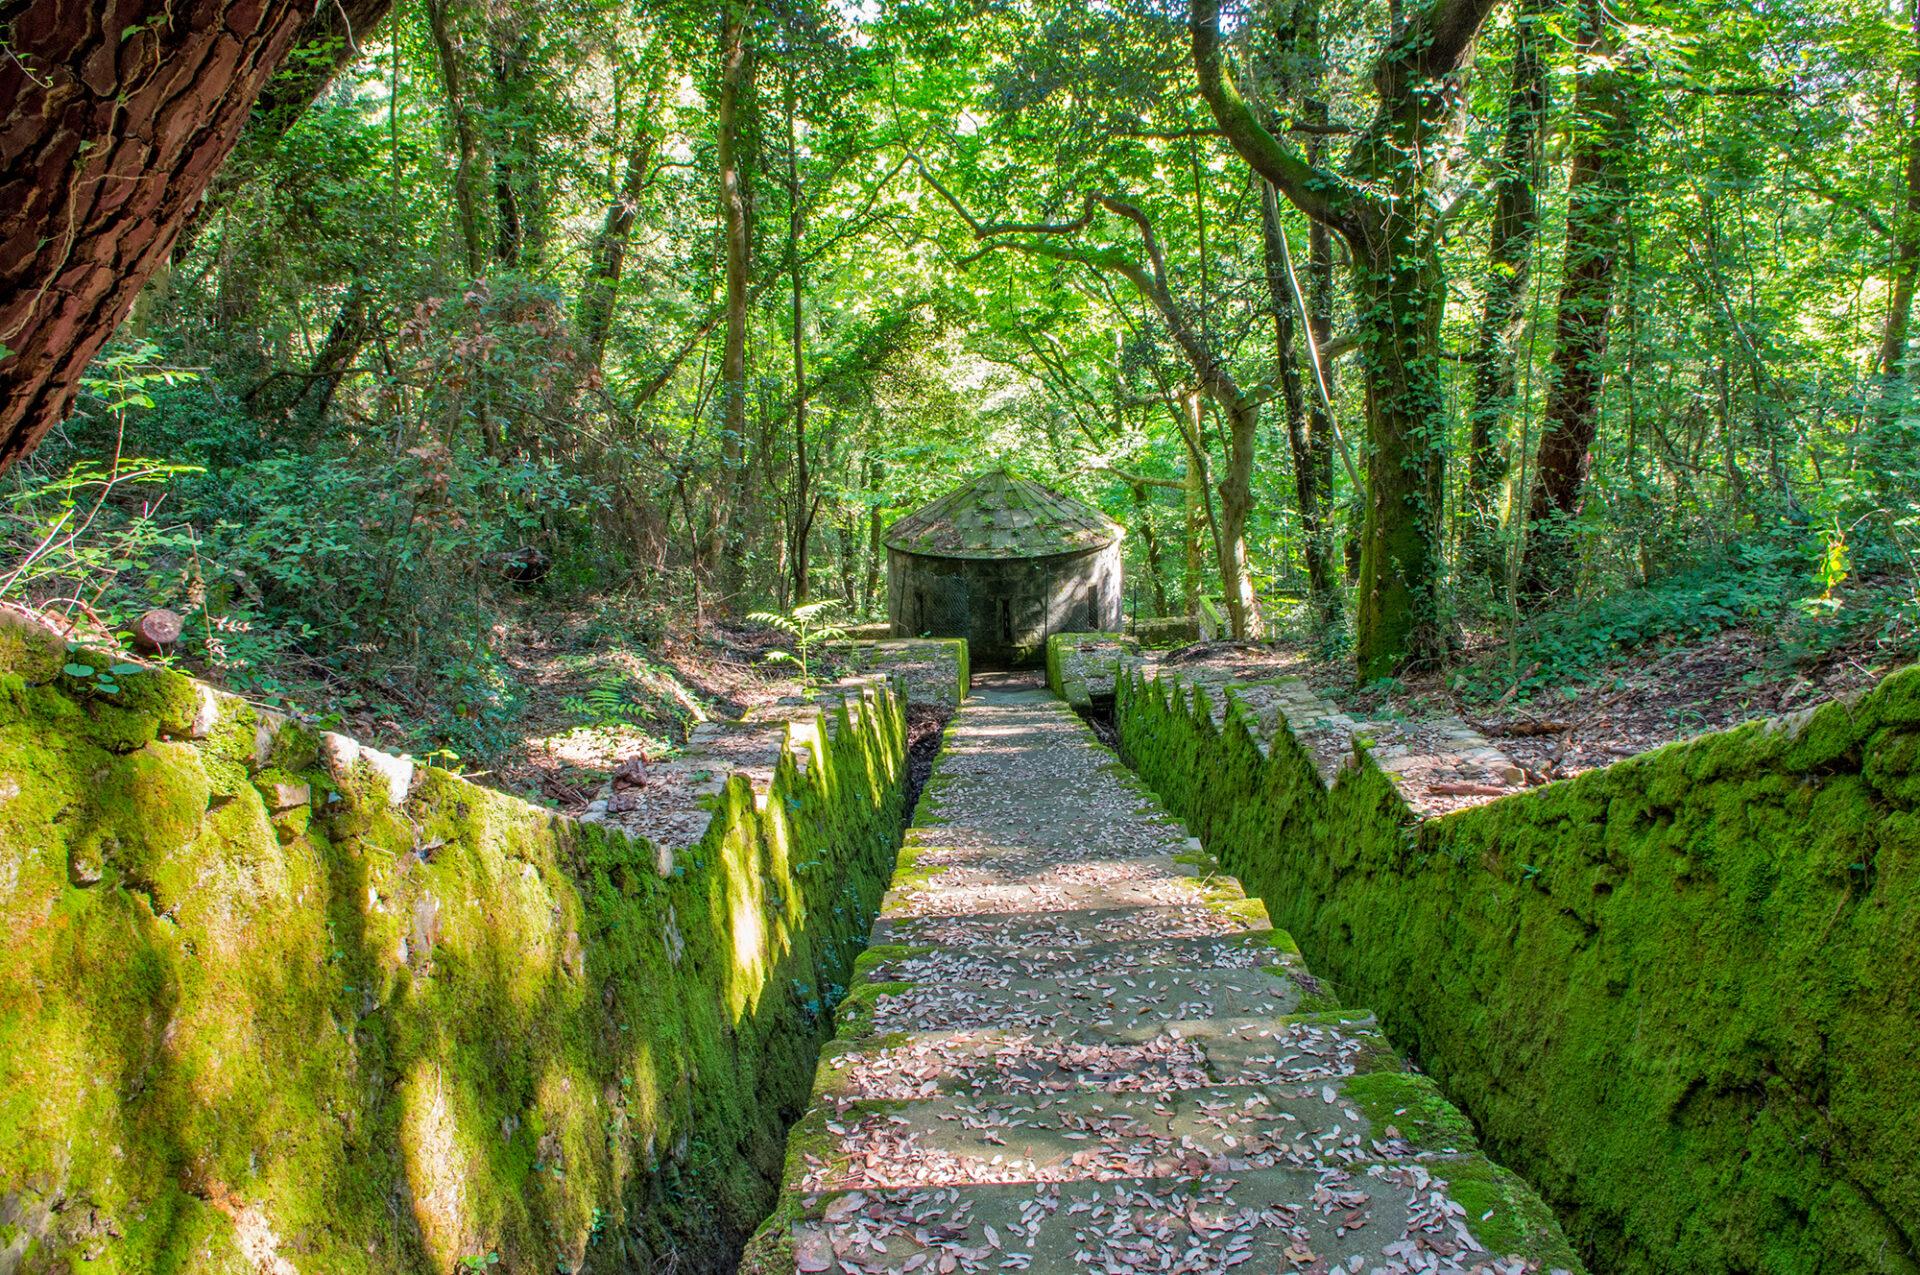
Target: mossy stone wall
(1083,667)
(269,1003)
(1681,994)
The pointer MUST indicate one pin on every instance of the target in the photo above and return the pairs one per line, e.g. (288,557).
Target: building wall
(1005,607)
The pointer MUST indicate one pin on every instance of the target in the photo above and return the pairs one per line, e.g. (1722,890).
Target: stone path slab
(1076,1046)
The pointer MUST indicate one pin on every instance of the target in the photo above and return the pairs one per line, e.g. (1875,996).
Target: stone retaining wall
(273,1002)
(1679,993)
(933,671)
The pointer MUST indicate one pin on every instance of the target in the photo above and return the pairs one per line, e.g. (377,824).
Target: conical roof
(1000,516)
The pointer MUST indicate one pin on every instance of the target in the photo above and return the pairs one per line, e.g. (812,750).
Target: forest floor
(589,705)
(583,698)
(1633,700)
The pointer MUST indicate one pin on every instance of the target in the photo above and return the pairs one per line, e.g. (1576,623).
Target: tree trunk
(460,114)
(1150,542)
(736,72)
(101,161)
(1906,272)
(1320,422)
(349,332)
(876,526)
(1194,495)
(803,502)
(1397,618)
(1312,455)
(609,255)
(1516,221)
(1395,168)
(286,391)
(329,42)
(1236,503)
(521,235)
(1597,195)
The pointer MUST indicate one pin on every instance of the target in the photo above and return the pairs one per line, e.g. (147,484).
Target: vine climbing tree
(1390,205)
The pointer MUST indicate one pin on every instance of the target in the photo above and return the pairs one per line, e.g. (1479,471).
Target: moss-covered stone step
(1303,1049)
(1094,1002)
(1157,881)
(1130,957)
(956,1139)
(1085,928)
(1389,1216)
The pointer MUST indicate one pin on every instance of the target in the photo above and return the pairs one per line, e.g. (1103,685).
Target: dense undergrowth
(427,600)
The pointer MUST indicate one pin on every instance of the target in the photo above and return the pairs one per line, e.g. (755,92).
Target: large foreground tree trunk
(329,42)
(118,116)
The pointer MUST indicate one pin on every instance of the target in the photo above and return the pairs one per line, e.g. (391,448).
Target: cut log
(157,630)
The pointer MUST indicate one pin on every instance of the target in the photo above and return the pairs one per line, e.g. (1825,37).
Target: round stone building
(1003,562)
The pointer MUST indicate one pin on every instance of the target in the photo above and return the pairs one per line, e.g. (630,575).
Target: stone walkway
(1076,1046)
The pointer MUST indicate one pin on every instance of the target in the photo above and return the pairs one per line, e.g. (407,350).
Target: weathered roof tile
(1000,516)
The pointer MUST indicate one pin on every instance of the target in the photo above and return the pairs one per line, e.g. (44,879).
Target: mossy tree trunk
(732,126)
(1906,273)
(1397,620)
(102,161)
(1193,502)
(608,259)
(1309,433)
(806,504)
(453,78)
(1396,171)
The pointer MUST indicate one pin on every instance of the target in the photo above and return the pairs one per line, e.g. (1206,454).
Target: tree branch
(1322,195)
(1141,480)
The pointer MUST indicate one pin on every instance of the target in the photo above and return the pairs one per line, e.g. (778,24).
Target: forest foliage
(1589,333)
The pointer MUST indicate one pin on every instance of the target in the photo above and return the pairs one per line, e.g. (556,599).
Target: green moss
(1280,940)
(1317,1002)
(907,872)
(1413,1104)
(1505,1215)
(884,954)
(1660,990)
(854,1018)
(401,1036)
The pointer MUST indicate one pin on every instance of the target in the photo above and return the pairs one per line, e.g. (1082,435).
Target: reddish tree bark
(119,114)
(332,39)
